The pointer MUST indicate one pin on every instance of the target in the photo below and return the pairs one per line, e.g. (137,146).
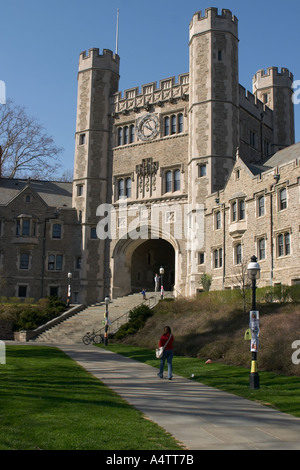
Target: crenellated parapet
(167,91)
(254,106)
(272,76)
(211,19)
(93,59)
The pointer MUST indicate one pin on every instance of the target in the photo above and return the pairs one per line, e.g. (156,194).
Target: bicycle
(93,337)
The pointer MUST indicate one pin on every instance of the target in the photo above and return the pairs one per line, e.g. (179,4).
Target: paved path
(199,416)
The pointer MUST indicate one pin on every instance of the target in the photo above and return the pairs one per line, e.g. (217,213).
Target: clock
(148,127)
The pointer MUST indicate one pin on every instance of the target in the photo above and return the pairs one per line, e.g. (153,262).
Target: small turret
(274,89)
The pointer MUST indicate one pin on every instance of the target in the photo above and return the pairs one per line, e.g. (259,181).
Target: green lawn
(280,392)
(49,402)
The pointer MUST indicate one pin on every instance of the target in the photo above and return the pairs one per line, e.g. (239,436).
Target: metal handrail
(117,320)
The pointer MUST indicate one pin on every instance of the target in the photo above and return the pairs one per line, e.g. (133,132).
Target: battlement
(213,20)
(253,105)
(150,94)
(93,58)
(214,13)
(273,75)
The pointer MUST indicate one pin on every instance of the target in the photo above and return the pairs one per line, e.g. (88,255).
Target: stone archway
(134,263)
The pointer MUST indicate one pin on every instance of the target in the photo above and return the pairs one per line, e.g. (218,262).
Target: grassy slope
(214,327)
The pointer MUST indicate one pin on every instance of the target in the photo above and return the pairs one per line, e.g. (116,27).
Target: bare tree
(241,277)
(26,147)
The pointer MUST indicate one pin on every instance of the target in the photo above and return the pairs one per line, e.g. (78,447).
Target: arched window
(173,125)
(126,135)
(167,126)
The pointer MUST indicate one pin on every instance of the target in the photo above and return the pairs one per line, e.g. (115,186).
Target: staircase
(72,329)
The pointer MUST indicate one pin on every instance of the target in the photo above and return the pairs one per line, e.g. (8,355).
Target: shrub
(137,319)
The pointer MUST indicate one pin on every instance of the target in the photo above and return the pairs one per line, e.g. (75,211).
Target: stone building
(150,164)
(40,239)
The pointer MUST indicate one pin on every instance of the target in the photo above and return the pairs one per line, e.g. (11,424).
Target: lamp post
(106,321)
(69,289)
(161,272)
(254,274)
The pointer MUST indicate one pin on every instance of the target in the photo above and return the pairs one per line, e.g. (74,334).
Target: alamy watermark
(296,354)
(2,353)
(2,92)
(140,221)
(296,94)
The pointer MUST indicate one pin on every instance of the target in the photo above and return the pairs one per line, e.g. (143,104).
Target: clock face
(148,127)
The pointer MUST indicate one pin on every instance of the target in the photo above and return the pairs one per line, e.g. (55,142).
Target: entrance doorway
(146,261)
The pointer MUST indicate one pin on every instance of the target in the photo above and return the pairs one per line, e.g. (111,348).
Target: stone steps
(73,329)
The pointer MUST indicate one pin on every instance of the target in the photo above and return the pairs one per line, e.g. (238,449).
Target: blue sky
(40,43)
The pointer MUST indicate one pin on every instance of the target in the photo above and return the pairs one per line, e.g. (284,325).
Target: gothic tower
(98,80)
(274,89)
(214,99)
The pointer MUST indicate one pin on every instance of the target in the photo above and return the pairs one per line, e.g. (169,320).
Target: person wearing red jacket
(166,340)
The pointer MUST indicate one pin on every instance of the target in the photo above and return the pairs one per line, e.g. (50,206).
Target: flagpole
(117,34)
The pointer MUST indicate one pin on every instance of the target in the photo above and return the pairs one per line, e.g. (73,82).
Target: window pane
(180,123)
(173,125)
(131,134)
(239,254)
(168,181)
(120,136)
(26,228)
(128,187)
(287,244)
(56,231)
(22,291)
(242,210)
(261,206)
(93,233)
(280,245)
(283,201)
(121,189)
(177,180)
(51,261)
(218,220)
(126,135)
(167,125)
(59,262)
(202,170)
(216,259)
(24,261)
(234,211)
(262,248)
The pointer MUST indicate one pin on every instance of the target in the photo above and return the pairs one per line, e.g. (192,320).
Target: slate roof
(279,158)
(54,193)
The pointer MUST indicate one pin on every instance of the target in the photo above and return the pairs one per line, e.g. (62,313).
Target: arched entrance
(134,264)
(146,261)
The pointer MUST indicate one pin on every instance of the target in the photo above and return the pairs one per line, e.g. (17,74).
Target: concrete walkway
(198,416)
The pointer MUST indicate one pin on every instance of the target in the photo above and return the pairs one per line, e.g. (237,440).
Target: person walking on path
(166,341)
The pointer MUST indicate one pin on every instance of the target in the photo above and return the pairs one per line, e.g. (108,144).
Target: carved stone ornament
(146,173)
